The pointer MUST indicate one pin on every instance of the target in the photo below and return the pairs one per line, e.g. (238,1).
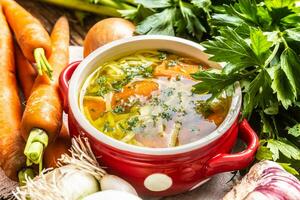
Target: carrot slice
(94,105)
(180,69)
(143,88)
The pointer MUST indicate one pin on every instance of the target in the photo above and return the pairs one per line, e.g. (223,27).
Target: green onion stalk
(100,7)
(35,146)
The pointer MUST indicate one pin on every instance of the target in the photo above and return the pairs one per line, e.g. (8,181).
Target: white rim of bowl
(73,95)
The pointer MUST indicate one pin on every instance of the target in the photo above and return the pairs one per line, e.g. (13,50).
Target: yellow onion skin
(106,31)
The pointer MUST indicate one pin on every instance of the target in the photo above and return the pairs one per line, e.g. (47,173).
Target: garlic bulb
(111,182)
(113,195)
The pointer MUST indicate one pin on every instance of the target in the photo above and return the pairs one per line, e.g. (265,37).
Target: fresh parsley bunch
(183,18)
(260,42)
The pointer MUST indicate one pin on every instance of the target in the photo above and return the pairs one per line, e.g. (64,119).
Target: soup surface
(146,99)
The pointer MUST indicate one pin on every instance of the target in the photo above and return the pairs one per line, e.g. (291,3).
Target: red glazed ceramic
(158,171)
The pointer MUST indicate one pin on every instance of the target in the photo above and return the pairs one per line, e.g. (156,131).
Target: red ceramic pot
(158,171)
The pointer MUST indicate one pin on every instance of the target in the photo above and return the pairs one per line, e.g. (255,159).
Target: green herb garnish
(260,44)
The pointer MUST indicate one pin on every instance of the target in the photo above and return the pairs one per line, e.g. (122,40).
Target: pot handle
(64,79)
(224,162)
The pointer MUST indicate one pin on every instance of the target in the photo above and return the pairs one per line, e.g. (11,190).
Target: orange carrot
(143,88)
(26,73)
(11,142)
(181,69)
(94,105)
(42,118)
(31,36)
(59,147)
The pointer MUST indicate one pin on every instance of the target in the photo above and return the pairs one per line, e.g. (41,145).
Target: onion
(77,176)
(62,183)
(266,180)
(106,31)
(113,195)
(111,182)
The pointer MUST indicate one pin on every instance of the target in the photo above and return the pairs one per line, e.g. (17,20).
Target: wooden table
(48,14)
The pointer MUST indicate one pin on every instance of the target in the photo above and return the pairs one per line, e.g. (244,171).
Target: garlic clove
(111,194)
(112,182)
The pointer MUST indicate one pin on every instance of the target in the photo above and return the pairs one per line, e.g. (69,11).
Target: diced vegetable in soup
(146,99)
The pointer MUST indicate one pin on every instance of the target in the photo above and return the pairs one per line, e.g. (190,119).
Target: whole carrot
(59,147)
(26,73)
(11,142)
(42,118)
(27,76)
(31,36)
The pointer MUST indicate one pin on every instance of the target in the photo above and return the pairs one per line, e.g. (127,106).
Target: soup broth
(146,99)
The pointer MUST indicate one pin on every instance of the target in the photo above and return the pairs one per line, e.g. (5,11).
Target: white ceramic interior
(127,46)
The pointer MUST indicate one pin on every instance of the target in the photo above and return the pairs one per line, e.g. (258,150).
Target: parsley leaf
(286,79)
(257,93)
(264,153)
(160,23)
(295,130)
(259,43)
(279,3)
(137,14)
(285,147)
(204,4)
(155,3)
(293,33)
(212,82)
(188,19)
(246,10)
(231,48)
(193,25)
(283,88)
(290,63)
(226,20)
(287,167)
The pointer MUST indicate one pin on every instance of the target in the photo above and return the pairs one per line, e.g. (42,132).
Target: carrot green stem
(23,174)
(42,63)
(34,149)
(85,6)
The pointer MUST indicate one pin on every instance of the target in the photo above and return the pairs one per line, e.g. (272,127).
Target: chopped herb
(204,108)
(155,101)
(179,97)
(154,119)
(195,130)
(118,85)
(165,106)
(102,91)
(172,63)
(101,80)
(132,122)
(178,78)
(107,127)
(169,91)
(119,109)
(162,55)
(166,115)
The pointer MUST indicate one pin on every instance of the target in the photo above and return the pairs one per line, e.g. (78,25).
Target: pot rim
(73,97)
